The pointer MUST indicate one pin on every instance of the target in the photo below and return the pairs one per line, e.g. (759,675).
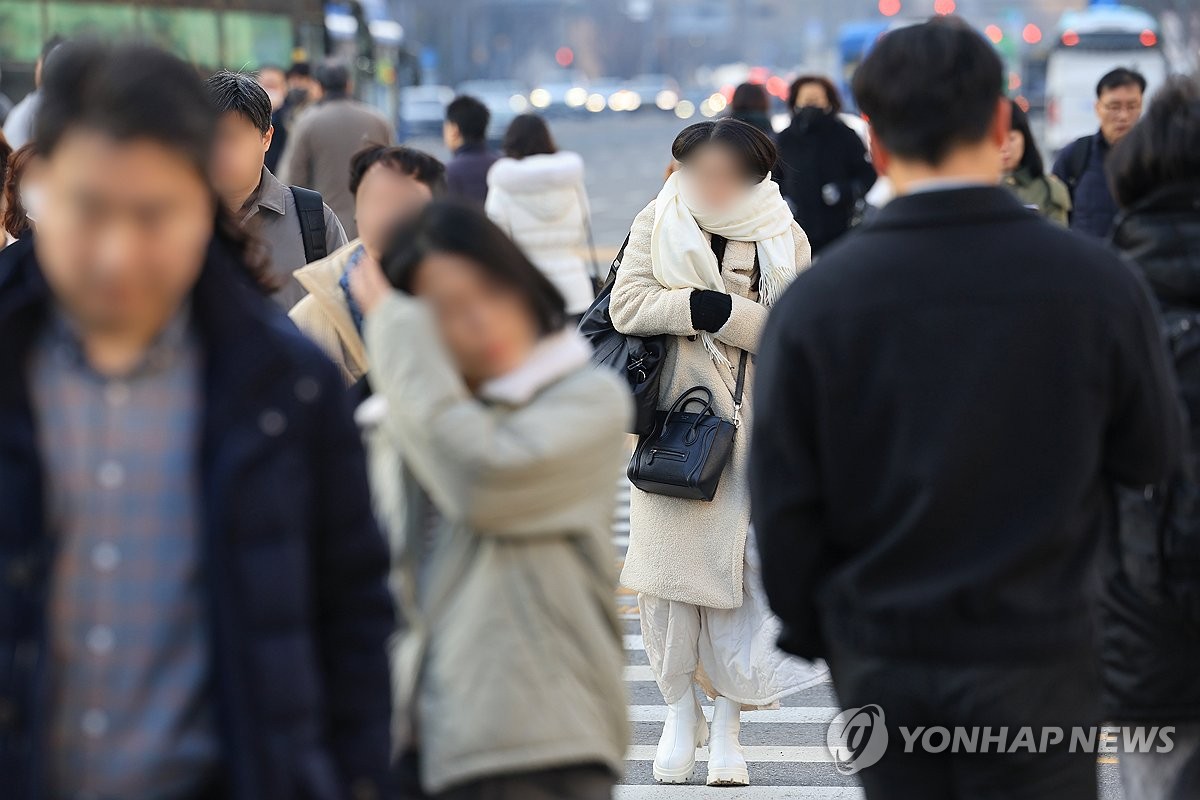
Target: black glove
(710,310)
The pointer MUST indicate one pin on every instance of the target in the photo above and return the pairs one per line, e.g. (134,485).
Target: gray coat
(512,661)
(321,142)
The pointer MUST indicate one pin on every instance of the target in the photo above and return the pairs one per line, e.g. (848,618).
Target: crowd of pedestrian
(306,482)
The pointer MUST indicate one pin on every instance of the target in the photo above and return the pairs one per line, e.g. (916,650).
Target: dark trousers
(912,694)
(578,782)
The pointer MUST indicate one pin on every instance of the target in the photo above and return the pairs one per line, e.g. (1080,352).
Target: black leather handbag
(687,451)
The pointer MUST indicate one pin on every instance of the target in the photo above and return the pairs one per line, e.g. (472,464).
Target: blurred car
(555,98)
(505,99)
(422,109)
(654,92)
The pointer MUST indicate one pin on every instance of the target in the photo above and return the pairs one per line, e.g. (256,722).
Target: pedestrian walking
(824,166)
(944,402)
(1026,176)
(465,135)
(510,667)
(294,223)
(18,125)
(536,194)
(1151,620)
(1080,165)
(23,193)
(324,138)
(390,184)
(194,599)
(752,105)
(704,263)
(273,79)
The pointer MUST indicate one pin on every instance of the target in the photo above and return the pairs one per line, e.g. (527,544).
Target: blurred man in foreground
(931,500)
(195,603)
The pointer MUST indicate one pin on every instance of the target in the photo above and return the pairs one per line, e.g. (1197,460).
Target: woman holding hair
(536,194)
(704,616)
(826,172)
(1025,174)
(509,673)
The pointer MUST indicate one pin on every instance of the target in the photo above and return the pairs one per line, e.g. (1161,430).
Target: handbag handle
(738,388)
(681,404)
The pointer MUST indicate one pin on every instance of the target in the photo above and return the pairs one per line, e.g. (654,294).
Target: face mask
(809,114)
(31,201)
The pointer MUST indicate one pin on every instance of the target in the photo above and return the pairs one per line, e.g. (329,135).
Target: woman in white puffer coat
(536,194)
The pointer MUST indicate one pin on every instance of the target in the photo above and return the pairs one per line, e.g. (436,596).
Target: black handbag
(687,451)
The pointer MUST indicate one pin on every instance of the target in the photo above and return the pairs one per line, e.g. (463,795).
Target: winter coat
(1047,193)
(824,170)
(690,550)
(945,399)
(324,315)
(467,171)
(540,201)
(1151,651)
(1093,207)
(322,140)
(295,577)
(512,661)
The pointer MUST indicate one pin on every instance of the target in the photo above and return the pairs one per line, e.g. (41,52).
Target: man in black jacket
(192,587)
(943,402)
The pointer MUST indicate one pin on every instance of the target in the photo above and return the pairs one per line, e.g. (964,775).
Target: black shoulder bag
(310,209)
(687,451)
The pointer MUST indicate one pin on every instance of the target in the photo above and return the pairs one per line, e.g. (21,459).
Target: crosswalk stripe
(787,714)
(633,642)
(741,793)
(809,754)
(639,673)
(621,541)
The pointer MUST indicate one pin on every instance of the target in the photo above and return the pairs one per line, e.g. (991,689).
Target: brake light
(1070,38)
(1148,38)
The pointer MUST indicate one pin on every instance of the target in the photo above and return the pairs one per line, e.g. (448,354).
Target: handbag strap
(737,390)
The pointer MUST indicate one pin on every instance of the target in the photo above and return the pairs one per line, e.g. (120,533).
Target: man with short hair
(1080,165)
(326,136)
(18,125)
(390,184)
(943,403)
(465,135)
(297,227)
(193,601)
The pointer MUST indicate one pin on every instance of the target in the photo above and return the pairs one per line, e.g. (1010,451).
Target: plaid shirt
(130,715)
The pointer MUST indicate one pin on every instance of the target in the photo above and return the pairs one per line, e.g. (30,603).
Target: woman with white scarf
(704,616)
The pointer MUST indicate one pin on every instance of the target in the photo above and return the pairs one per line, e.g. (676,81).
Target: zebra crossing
(785,746)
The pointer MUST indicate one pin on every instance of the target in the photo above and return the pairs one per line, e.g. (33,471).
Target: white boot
(684,731)
(726,764)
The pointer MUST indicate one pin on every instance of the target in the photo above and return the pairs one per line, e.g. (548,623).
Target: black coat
(942,403)
(295,568)
(1151,652)
(1093,208)
(819,153)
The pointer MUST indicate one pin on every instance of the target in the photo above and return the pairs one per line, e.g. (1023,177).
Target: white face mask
(31,201)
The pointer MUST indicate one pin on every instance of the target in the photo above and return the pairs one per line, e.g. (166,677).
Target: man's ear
(1002,123)
(268,137)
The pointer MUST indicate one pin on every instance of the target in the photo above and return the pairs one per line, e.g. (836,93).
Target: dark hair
(417,164)
(238,93)
(136,91)
(930,87)
(1031,160)
(754,149)
(334,76)
(299,69)
(470,115)
(1119,78)
(750,97)
(49,46)
(528,135)
(6,152)
(16,217)
(831,91)
(449,227)
(1163,148)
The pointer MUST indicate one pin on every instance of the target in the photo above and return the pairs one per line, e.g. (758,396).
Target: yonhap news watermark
(858,738)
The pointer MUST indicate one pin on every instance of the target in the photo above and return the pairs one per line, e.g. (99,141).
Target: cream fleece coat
(689,550)
(540,201)
(324,316)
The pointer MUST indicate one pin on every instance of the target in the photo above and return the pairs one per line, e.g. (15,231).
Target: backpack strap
(310,209)
(1077,161)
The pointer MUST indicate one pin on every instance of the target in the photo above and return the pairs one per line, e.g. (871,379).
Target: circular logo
(857,738)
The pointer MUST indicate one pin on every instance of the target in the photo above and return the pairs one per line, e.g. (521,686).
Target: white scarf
(683,259)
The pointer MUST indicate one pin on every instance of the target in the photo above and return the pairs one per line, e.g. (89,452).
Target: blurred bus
(855,41)
(1090,43)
